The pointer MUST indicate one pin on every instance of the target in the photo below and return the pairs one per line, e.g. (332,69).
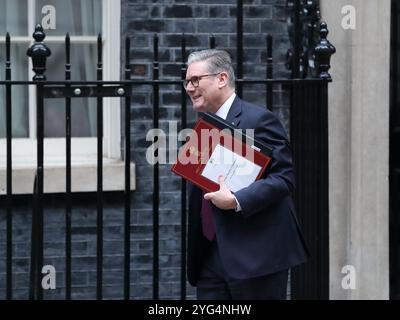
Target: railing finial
(39,53)
(323,52)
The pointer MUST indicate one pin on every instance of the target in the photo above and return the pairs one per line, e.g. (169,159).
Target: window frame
(84,150)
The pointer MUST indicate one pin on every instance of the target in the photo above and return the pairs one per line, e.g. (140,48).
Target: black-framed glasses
(195,80)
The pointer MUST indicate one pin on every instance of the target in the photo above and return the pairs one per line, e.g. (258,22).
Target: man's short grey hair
(217,61)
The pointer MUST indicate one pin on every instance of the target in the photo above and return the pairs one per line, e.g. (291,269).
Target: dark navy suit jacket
(265,236)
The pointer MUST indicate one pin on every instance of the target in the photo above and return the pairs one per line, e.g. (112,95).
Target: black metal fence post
(99,172)
(40,189)
(296,40)
(212,42)
(270,71)
(39,53)
(127,219)
(239,46)
(310,145)
(323,186)
(183,181)
(156,187)
(33,273)
(68,212)
(9,170)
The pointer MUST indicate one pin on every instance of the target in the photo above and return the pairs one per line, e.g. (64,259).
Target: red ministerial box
(213,139)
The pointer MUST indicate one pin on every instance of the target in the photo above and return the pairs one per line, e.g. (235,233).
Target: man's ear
(222,79)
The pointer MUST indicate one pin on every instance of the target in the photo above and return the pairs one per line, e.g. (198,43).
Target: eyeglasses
(195,81)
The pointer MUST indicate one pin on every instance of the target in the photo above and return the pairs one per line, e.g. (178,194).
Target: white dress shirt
(223,113)
(224,109)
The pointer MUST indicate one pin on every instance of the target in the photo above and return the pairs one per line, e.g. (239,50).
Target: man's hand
(223,198)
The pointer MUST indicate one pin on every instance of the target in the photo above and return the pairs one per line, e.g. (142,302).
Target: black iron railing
(309,106)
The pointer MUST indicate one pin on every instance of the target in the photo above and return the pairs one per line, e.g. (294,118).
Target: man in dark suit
(241,245)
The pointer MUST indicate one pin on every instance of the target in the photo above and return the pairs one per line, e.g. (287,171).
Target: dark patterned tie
(207,220)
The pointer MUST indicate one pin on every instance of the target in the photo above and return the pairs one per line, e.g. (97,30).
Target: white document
(237,170)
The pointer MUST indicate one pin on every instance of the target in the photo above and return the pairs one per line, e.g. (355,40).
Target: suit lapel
(234,112)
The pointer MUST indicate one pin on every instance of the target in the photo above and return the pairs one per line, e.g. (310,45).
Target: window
(83,20)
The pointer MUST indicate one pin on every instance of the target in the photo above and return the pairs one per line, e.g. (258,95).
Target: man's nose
(190,87)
